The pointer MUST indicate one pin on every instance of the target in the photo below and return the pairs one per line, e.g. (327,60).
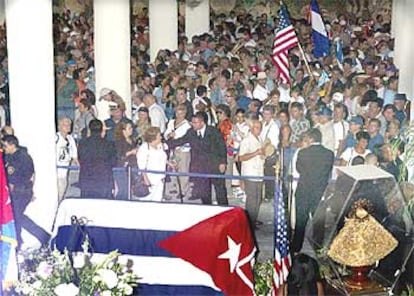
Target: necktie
(199,135)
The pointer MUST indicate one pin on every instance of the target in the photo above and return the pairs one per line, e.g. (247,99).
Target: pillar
(32,100)
(163,26)
(403,25)
(112,51)
(197,18)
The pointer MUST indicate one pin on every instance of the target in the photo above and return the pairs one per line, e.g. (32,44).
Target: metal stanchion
(129,176)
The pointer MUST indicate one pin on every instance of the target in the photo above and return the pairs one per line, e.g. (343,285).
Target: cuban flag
(8,243)
(319,34)
(177,249)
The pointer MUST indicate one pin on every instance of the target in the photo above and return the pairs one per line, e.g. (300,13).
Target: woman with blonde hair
(151,156)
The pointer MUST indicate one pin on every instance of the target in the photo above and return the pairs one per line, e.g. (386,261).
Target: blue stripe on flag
(150,290)
(319,34)
(105,239)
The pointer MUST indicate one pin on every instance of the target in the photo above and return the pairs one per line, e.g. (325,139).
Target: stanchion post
(129,175)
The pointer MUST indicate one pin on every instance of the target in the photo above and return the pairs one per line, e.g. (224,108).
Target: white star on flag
(232,254)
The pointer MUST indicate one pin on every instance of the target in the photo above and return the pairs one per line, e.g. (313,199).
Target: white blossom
(37,285)
(128,290)
(66,290)
(79,261)
(109,277)
(106,293)
(44,270)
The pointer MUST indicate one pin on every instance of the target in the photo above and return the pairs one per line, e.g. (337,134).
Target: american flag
(282,261)
(285,39)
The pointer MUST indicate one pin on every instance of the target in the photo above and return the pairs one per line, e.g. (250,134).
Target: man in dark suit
(208,156)
(97,157)
(314,165)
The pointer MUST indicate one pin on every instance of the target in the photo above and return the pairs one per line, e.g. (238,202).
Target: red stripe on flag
(284,40)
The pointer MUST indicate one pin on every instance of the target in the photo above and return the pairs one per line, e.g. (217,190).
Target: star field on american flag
(285,39)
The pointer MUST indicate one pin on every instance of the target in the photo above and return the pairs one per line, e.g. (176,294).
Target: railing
(131,171)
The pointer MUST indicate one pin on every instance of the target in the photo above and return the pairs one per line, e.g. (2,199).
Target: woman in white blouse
(151,156)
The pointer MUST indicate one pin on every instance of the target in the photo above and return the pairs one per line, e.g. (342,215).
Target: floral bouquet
(49,273)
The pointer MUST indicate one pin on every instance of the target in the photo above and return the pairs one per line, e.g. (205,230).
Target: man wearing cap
(71,67)
(355,125)
(111,97)
(117,114)
(260,91)
(325,125)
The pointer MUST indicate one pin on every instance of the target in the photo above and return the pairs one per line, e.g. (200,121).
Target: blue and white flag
(177,249)
(338,51)
(319,34)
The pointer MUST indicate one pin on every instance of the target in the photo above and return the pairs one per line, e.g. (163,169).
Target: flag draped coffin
(177,249)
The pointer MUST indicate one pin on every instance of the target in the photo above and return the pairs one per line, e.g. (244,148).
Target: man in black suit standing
(208,156)
(97,157)
(314,165)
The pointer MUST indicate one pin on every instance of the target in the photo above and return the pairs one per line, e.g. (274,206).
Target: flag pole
(306,61)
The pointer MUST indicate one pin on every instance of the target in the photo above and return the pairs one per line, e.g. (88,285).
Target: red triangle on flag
(222,246)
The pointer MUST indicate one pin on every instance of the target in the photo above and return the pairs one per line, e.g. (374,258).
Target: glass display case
(388,207)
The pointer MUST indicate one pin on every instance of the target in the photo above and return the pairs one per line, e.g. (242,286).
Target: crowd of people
(215,105)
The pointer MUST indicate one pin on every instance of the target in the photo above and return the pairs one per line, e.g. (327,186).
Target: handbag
(138,187)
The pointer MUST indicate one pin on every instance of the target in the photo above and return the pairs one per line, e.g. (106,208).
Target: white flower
(109,277)
(96,279)
(66,290)
(44,270)
(79,261)
(27,289)
(127,290)
(37,284)
(20,258)
(106,293)
(123,260)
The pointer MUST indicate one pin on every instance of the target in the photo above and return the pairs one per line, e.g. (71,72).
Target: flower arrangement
(263,276)
(52,273)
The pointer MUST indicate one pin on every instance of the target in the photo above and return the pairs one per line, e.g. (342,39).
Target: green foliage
(408,292)
(263,276)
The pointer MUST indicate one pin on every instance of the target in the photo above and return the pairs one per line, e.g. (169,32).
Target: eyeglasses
(219,112)
(229,96)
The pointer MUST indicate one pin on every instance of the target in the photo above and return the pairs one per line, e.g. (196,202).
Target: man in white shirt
(270,136)
(156,113)
(66,153)
(261,92)
(252,160)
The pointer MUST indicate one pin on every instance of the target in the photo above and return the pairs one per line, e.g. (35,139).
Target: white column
(163,25)
(197,18)
(2,11)
(112,51)
(403,23)
(32,100)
